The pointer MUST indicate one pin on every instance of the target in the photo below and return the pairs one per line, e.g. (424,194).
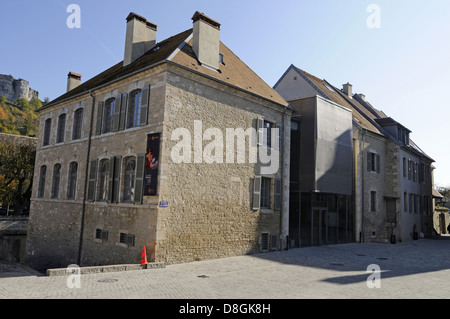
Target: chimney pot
(348,89)
(140,37)
(206,40)
(73,80)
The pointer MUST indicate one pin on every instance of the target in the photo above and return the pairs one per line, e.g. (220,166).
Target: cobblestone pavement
(418,269)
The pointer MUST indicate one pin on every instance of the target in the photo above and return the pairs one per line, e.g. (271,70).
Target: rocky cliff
(14,89)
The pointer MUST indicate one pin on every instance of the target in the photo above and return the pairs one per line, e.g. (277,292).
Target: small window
(61,128)
(373,201)
(127,239)
(77,124)
(265,241)
(101,234)
(265,192)
(221,59)
(47,131)
(329,87)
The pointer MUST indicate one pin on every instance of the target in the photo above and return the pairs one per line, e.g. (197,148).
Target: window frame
(77,124)
(266,193)
(72,181)
(129,183)
(108,115)
(47,132)
(133,114)
(56,181)
(61,128)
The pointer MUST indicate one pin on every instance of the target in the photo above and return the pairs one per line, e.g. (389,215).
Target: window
(101,234)
(56,181)
(61,128)
(126,239)
(221,59)
(108,113)
(265,192)
(134,109)
(415,169)
(373,162)
(42,176)
(411,203)
(72,184)
(129,180)
(405,201)
(410,169)
(267,134)
(405,168)
(47,130)
(77,124)
(373,201)
(104,172)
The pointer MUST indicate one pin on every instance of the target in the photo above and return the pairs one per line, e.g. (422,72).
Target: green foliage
(20,118)
(16,175)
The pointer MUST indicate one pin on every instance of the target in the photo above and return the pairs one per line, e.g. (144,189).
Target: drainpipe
(86,178)
(361,149)
(284,204)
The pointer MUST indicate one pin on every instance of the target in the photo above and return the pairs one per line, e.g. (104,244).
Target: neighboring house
(136,157)
(379,183)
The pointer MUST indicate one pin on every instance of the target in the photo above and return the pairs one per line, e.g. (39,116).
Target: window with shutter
(145,105)
(129,180)
(104,180)
(257,193)
(265,192)
(139,190)
(108,113)
(116,114)
(134,109)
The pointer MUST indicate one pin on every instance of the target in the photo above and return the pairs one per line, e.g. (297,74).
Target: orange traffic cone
(144,257)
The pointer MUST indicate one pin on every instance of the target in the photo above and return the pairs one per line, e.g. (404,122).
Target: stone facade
(14,89)
(209,211)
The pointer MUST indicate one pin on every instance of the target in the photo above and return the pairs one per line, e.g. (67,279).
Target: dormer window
(403,135)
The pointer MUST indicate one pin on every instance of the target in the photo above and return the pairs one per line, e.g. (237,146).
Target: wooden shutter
(145,102)
(139,187)
(100,107)
(278,194)
(278,137)
(123,111)
(116,179)
(111,180)
(257,193)
(116,113)
(92,180)
(260,131)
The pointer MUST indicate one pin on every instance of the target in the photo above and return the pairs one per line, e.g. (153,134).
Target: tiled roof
(233,71)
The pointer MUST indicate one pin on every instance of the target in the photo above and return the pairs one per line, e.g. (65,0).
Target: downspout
(86,178)
(361,150)
(284,210)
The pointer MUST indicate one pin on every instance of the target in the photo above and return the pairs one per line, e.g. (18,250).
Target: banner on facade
(151,165)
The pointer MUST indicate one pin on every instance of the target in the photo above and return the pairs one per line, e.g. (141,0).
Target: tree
(16,176)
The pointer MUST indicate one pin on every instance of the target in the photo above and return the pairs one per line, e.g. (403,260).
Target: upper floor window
(134,109)
(373,162)
(56,181)
(61,128)
(77,124)
(265,192)
(47,131)
(108,113)
(72,184)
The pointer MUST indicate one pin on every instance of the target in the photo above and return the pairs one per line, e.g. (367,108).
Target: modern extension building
(162,150)
(390,197)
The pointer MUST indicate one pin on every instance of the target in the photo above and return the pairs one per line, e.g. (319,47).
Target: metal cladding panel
(334,149)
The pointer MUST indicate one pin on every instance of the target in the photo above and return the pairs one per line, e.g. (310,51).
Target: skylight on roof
(329,87)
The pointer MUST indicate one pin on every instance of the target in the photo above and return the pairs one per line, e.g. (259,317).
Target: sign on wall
(151,165)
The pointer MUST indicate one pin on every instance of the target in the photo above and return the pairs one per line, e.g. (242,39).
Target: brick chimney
(206,40)
(348,89)
(140,37)
(73,80)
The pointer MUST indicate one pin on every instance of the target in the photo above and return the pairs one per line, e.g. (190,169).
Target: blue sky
(402,67)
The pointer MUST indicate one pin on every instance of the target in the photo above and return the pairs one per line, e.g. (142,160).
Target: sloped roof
(233,71)
(332,93)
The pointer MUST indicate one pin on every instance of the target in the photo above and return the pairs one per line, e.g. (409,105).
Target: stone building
(180,148)
(388,171)
(14,89)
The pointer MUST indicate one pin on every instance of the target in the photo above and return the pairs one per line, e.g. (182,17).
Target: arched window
(77,124)
(72,185)
(47,130)
(108,113)
(56,181)
(104,172)
(129,180)
(134,109)
(61,128)
(42,176)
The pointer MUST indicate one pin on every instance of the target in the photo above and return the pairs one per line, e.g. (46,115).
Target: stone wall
(14,89)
